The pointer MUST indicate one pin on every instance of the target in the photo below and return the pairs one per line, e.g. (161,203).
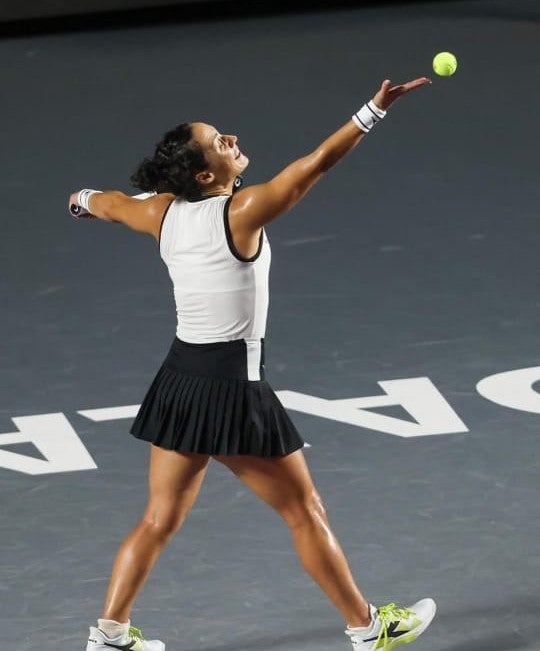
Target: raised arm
(255,206)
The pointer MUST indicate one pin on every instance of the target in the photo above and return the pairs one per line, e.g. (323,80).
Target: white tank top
(220,296)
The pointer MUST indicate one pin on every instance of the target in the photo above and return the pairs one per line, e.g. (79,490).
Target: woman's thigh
(283,482)
(174,480)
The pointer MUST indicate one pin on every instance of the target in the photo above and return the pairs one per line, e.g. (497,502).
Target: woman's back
(219,295)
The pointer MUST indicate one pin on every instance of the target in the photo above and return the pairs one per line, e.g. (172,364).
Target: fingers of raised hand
(387,94)
(415,83)
(401,89)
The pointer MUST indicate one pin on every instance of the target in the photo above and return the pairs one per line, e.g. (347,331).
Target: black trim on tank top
(230,242)
(162,220)
(210,196)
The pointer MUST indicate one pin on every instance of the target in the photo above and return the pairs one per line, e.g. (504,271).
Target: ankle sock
(113,629)
(365,629)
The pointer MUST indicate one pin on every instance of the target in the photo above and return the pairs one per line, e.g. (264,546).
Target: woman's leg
(174,482)
(285,484)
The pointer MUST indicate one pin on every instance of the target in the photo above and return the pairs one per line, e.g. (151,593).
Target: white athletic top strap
(219,295)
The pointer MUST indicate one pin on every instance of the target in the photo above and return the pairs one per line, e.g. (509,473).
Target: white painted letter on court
(54,437)
(418,396)
(513,389)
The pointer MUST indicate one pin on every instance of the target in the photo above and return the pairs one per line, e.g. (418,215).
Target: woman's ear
(204,178)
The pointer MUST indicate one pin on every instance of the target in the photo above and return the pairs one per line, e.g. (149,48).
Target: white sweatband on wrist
(368,116)
(84,196)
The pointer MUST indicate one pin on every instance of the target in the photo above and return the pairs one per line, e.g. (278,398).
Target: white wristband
(368,116)
(84,196)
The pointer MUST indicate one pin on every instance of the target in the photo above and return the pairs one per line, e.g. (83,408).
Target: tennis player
(209,399)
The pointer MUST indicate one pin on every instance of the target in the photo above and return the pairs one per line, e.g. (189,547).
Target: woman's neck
(219,190)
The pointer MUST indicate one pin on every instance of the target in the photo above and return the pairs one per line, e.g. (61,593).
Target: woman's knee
(306,510)
(162,524)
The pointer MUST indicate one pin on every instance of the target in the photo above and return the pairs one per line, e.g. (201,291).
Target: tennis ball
(444,64)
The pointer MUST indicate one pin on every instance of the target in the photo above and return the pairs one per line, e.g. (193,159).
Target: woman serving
(210,399)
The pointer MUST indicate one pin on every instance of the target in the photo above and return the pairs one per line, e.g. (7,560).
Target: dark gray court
(417,257)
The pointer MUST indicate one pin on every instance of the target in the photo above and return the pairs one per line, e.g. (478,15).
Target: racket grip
(79,213)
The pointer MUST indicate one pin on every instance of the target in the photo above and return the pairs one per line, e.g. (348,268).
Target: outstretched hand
(388,94)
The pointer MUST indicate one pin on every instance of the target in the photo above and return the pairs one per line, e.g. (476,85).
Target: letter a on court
(418,396)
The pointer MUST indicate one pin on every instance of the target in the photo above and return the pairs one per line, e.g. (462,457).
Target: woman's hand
(387,94)
(75,209)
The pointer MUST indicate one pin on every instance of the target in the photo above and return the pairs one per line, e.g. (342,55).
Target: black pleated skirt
(201,400)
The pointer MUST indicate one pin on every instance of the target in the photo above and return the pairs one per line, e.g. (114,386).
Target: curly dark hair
(173,166)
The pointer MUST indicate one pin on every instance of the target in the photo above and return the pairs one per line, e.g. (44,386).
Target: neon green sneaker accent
(136,634)
(389,614)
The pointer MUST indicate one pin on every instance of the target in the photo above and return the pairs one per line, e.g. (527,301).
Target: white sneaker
(391,626)
(133,641)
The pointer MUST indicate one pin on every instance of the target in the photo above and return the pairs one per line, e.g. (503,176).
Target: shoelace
(136,633)
(388,614)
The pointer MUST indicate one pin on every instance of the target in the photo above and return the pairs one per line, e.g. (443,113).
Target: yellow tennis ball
(444,64)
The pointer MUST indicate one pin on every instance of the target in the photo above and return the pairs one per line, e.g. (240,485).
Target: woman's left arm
(257,205)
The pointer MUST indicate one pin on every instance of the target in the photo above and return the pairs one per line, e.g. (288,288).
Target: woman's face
(225,160)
